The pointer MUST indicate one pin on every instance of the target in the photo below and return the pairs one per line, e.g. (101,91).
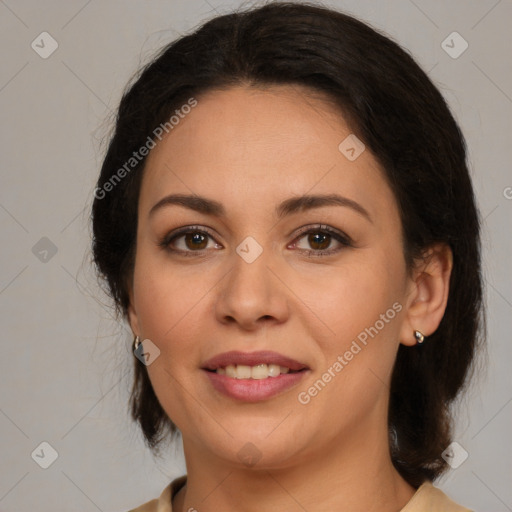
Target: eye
(188,240)
(193,240)
(320,238)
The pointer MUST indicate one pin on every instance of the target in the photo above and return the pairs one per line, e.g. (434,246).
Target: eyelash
(340,237)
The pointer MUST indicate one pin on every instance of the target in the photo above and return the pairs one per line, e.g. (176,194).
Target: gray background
(66,361)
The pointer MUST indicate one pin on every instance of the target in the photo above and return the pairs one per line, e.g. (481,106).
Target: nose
(251,295)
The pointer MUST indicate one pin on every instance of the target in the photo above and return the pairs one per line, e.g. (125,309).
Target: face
(323,283)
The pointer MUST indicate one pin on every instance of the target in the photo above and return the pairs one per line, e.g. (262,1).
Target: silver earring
(420,337)
(136,343)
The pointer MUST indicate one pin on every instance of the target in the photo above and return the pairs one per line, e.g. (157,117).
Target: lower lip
(254,390)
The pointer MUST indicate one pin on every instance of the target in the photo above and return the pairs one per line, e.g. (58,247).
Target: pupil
(196,239)
(319,239)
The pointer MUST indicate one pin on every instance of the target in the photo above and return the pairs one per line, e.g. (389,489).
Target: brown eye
(196,240)
(189,240)
(319,241)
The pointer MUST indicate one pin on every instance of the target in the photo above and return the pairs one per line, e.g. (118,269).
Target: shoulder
(431,499)
(150,506)
(164,502)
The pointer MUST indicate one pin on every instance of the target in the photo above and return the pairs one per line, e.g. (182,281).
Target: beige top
(426,499)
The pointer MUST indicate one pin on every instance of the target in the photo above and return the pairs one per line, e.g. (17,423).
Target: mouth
(258,372)
(253,376)
(253,365)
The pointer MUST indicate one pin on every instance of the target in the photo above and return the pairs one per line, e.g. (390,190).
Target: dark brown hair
(399,114)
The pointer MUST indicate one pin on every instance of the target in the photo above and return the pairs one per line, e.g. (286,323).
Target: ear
(428,293)
(132,314)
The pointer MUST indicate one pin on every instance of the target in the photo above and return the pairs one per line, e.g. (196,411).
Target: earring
(420,337)
(136,343)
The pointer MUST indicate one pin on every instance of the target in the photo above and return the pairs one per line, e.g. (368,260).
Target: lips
(233,374)
(252,359)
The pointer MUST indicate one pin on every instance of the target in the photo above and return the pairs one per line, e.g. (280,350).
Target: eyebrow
(287,207)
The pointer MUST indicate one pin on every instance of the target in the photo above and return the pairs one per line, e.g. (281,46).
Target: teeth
(230,371)
(243,371)
(258,372)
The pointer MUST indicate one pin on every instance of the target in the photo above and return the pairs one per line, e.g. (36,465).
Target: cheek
(168,304)
(352,297)
(362,307)
(362,310)
(167,297)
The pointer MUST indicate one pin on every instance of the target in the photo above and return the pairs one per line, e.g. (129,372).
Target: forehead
(249,145)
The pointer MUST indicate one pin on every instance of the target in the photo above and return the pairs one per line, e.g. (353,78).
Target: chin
(261,447)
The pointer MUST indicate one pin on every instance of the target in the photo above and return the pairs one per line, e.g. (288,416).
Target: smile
(258,372)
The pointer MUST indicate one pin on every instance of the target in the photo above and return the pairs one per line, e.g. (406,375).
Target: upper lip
(252,359)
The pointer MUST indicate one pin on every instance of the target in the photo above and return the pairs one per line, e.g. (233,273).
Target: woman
(286,220)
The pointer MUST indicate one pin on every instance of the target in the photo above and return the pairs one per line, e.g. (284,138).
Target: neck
(357,476)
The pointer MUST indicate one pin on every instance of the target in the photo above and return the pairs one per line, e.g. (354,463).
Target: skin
(251,148)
